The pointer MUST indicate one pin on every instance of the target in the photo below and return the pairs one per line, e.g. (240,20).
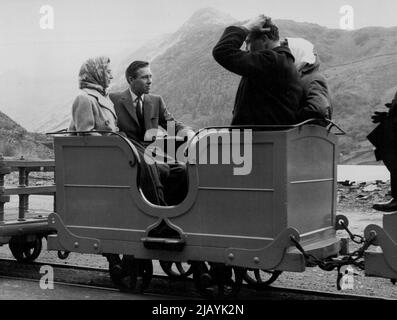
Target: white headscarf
(302,50)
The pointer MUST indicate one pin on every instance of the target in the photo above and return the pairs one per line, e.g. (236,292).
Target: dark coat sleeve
(384,138)
(121,114)
(112,97)
(228,54)
(393,109)
(115,99)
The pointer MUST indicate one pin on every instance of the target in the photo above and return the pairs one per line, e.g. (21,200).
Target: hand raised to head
(257,23)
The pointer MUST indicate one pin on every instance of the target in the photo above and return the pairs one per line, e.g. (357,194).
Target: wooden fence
(23,190)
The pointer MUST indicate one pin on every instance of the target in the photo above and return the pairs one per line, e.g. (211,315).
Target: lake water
(363,173)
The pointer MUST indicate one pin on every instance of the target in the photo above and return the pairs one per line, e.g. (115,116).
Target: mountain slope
(361,67)
(15,141)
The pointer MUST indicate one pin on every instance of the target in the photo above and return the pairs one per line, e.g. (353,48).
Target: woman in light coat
(92,109)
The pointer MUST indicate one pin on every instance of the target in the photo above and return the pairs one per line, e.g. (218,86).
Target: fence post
(3,198)
(23,198)
(55,193)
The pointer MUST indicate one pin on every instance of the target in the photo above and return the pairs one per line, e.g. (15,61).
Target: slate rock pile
(361,196)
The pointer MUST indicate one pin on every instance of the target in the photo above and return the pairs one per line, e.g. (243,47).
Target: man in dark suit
(270,90)
(384,138)
(137,112)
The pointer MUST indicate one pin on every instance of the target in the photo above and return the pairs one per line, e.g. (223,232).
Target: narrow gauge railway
(282,217)
(98,278)
(23,288)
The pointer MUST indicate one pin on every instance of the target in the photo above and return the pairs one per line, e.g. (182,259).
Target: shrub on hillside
(7,150)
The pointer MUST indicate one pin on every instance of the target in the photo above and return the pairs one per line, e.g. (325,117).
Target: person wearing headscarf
(92,109)
(316,102)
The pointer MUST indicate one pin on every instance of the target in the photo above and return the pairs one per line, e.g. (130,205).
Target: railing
(23,190)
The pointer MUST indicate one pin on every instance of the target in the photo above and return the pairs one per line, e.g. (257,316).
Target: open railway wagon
(21,229)
(273,211)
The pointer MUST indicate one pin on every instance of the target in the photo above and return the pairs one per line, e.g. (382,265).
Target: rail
(23,190)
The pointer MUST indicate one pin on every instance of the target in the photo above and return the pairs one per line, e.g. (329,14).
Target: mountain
(185,74)
(15,141)
(30,99)
(361,68)
(56,121)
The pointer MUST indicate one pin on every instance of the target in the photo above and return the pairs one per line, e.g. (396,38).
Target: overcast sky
(50,59)
(87,27)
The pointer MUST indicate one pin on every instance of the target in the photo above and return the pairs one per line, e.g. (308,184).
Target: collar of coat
(134,96)
(102,100)
(285,50)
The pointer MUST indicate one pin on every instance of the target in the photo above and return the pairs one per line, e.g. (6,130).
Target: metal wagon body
(238,220)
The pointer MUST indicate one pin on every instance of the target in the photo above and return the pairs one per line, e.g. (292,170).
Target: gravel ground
(354,201)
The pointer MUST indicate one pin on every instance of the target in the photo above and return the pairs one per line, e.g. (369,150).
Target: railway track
(98,278)
(17,288)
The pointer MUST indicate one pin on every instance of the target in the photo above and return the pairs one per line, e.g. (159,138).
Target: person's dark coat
(393,108)
(316,101)
(384,138)
(270,90)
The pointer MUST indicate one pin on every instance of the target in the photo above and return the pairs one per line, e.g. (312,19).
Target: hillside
(15,141)
(361,67)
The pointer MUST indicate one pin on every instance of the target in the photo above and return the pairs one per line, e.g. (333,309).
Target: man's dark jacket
(270,90)
(384,138)
(155,115)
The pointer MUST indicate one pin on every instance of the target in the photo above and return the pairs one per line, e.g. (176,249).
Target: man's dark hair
(273,34)
(133,68)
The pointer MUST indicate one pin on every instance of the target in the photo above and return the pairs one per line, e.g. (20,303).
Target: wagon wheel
(25,250)
(260,279)
(63,255)
(217,280)
(181,273)
(130,274)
